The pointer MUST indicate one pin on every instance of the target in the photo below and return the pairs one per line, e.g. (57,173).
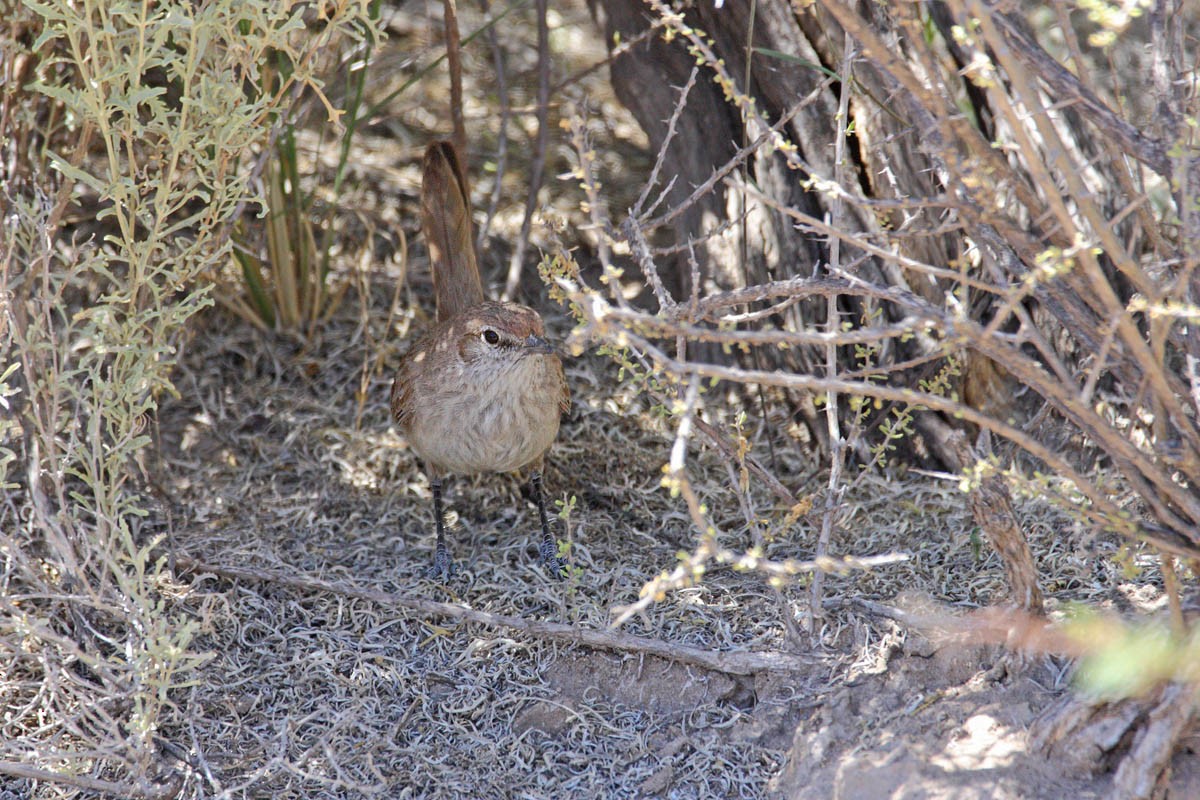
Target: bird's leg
(442,567)
(548,549)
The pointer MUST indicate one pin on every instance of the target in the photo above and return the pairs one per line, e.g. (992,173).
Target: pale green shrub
(149,112)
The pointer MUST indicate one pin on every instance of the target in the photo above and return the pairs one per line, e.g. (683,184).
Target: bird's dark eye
(490,336)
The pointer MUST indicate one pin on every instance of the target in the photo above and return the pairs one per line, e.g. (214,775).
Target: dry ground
(316,694)
(281,457)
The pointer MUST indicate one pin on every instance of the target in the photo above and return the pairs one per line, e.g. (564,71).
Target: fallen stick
(733,662)
(142,790)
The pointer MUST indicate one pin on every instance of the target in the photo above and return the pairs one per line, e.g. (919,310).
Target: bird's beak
(536,344)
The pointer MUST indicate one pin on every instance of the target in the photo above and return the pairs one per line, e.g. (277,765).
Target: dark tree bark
(790,69)
(648,81)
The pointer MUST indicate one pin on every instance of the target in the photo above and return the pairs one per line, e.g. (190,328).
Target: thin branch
(734,162)
(498,59)
(1173,540)
(652,181)
(1146,475)
(640,250)
(537,166)
(140,790)
(1100,228)
(837,443)
(658,327)
(454,62)
(624,47)
(733,662)
(1064,85)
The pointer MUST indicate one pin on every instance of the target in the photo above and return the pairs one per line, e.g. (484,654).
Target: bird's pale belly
(499,431)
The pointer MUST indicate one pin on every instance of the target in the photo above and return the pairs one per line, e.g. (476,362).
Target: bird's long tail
(446,220)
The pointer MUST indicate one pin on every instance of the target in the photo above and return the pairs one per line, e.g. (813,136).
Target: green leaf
(260,298)
(75,174)
(766,51)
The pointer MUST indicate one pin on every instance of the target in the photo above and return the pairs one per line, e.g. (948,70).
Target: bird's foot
(442,568)
(548,552)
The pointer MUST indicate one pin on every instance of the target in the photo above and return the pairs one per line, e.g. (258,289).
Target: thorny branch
(1031,244)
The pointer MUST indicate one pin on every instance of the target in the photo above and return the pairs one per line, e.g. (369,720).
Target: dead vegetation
(297,528)
(336,675)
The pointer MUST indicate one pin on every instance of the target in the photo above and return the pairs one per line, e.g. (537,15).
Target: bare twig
(733,662)
(1063,85)
(498,59)
(621,49)
(734,162)
(1173,540)
(837,443)
(537,164)
(652,181)
(142,790)
(454,62)
(692,570)
(725,446)
(1144,472)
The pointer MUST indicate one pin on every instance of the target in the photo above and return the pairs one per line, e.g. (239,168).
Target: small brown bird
(481,391)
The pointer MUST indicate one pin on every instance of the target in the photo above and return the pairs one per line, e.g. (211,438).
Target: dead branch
(733,662)
(141,790)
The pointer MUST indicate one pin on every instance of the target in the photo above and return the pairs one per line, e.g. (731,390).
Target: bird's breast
(490,420)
